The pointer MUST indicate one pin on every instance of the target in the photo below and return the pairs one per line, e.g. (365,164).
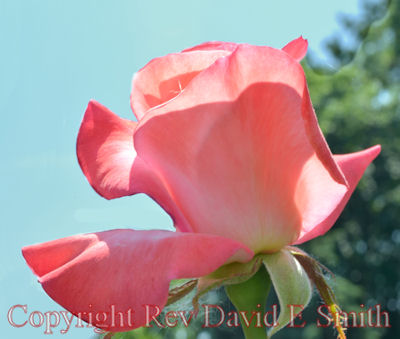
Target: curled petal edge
(297,48)
(353,166)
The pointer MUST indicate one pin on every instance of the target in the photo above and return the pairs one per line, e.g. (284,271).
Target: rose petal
(164,78)
(297,48)
(108,159)
(353,166)
(125,269)
(242,152)
(106,152)
(213,46)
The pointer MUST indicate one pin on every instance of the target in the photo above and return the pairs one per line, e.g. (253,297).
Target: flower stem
(251,296)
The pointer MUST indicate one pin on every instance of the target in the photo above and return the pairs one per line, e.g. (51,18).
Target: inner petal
(164,78)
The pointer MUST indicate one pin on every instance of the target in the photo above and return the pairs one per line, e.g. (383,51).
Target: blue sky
(55,56)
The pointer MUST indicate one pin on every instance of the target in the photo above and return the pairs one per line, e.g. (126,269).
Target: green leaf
(248,297)
(291,284)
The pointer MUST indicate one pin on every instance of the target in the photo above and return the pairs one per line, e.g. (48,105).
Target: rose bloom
(228,144)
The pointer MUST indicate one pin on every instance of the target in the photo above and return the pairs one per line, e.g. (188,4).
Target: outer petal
(353,166)
(122,270)
(297,48)
(162,79)
(106,152)
(241,151)
(108,159)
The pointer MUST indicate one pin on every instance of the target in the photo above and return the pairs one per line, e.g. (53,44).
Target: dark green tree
(359,106)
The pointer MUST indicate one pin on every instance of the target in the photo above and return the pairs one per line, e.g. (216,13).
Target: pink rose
(227,142)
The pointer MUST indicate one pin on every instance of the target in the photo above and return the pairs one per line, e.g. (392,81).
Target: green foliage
(357,107)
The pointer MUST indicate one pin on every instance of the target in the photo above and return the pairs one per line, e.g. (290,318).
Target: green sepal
(291,285)
(315,271)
